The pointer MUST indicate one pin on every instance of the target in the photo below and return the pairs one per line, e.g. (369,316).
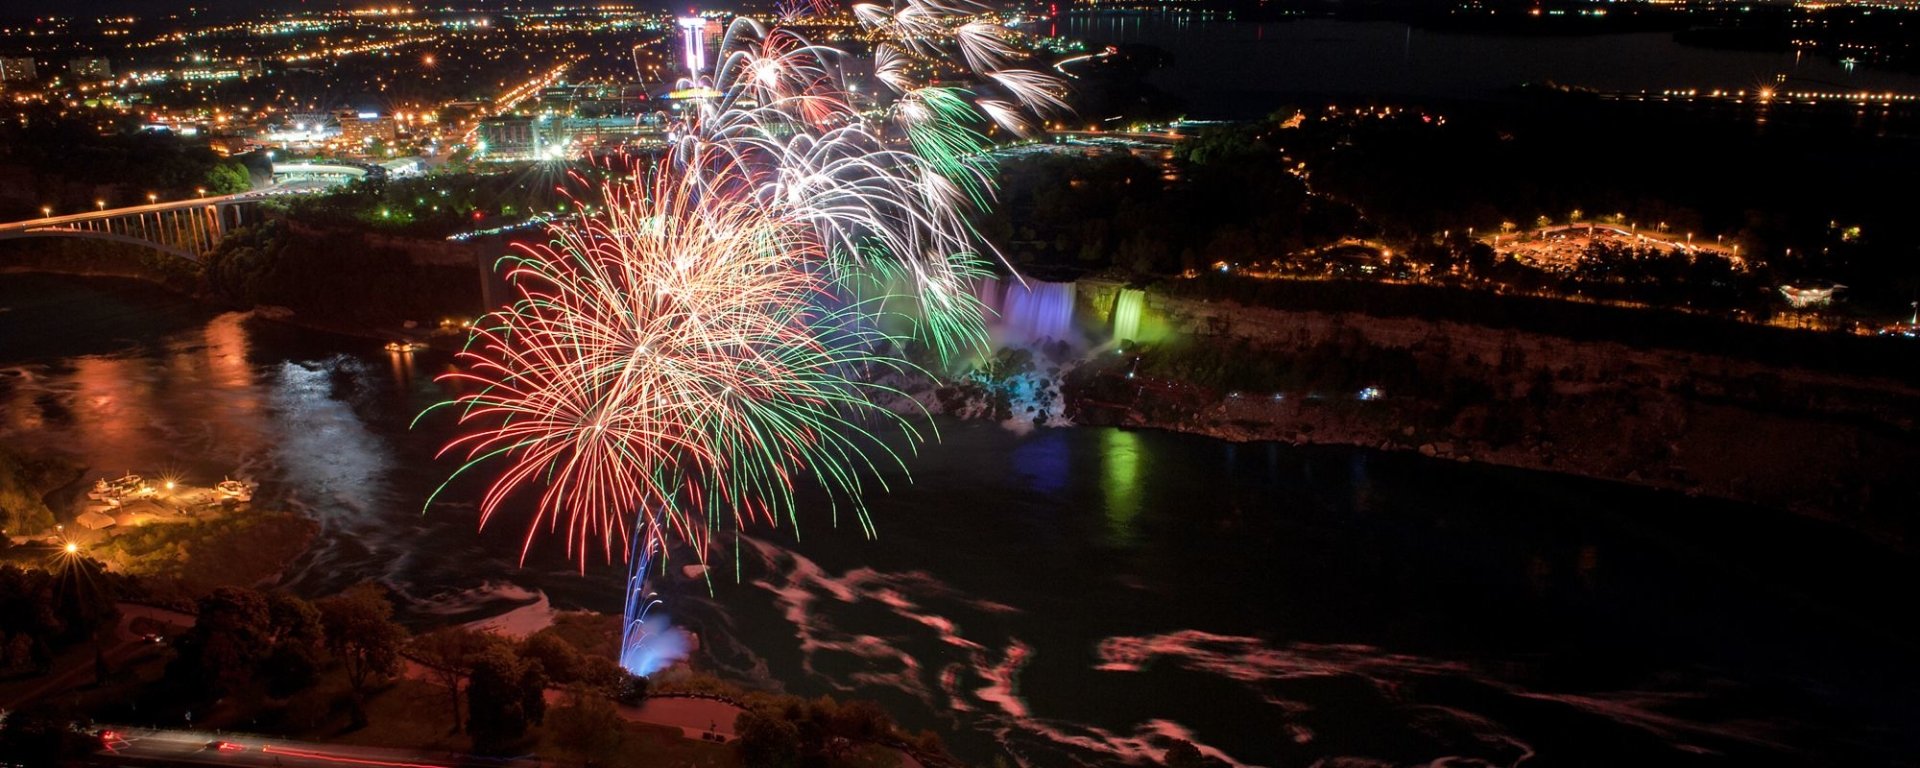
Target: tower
(693,40)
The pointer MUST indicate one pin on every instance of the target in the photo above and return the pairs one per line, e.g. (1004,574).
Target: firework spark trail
(679,358)
(674,355)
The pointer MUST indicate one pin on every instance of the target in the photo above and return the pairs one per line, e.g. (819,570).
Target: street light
(46,211)
(100,204)
(152,198)
(201,191)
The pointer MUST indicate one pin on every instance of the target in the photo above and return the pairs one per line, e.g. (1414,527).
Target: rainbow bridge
(189,229)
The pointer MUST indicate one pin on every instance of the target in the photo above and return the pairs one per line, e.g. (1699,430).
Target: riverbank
(1828,440)
(1817,442)
(332,280)
(244,548)
(270,313)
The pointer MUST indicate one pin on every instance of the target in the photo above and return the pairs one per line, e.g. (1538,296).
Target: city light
(964,363)
(693,42)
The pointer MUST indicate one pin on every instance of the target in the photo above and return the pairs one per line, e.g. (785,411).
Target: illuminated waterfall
(1126,314)
(1038,310)
(989,292)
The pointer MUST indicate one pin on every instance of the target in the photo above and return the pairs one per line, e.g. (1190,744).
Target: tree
(587,724)
(500,705)
(296,639)
(24,482)
(633,689)
(449,654)
(1183,754)
(766,739)
(562,663)
(228,178)
(363,637)
(29,739)
(82,598)
(862,720)
(228,640)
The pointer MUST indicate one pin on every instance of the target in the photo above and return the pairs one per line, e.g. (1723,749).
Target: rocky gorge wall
(1820,443)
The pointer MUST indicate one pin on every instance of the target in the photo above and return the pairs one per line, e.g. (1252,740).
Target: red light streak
(342,758)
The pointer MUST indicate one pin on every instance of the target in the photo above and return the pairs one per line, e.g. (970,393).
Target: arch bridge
(189,229)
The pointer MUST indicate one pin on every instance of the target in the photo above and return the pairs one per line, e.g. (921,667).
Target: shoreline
(281,315)
(1819,444)
(1588,447)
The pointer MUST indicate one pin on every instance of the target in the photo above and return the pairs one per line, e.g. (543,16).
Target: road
(142,746)
(694,717)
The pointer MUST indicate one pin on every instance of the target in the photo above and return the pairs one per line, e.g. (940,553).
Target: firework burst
(676,360)
(675,354)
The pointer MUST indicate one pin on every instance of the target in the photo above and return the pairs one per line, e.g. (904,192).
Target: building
(17,70)
(545,138)
(693,44)
(237,70)
(594,100)
(90,68)
(507,138)
(359,130)
(1810,296)
(302,131)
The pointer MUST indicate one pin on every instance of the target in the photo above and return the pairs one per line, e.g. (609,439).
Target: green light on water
(1120,483)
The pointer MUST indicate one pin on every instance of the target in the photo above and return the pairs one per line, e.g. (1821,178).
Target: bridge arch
(88,234)
(188,229)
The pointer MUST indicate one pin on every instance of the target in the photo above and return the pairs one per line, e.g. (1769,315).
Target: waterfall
(1126,314)
(989,291)
(1038,310)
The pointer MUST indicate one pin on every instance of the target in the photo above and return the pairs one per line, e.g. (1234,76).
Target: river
(1075,594)
(1235,70)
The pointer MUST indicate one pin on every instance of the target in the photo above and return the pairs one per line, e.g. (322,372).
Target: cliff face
(1825,444)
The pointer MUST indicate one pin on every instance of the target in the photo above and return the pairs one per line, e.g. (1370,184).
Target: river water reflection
(1076,594)
(1245,70)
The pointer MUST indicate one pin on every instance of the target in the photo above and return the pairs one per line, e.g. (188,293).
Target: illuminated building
(1809,297)
(302,131)
(237,70)
(507,138)
(693,40)
(361,129)
(17,70)
(546,138)
(90,68)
